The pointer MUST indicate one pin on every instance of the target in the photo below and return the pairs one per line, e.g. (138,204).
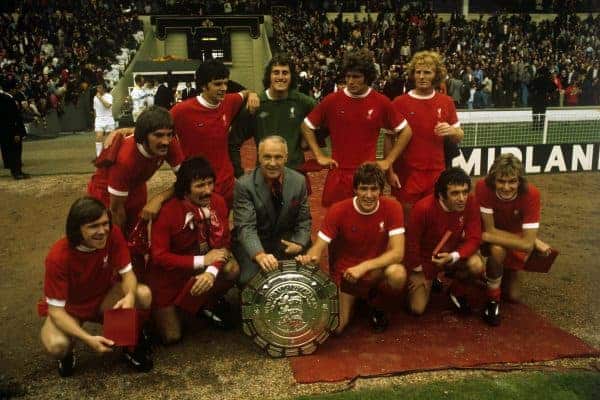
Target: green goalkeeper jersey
(281,117)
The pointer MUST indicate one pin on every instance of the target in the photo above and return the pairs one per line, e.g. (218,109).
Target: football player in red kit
(190,239)
(121,186)
(202,122)
(449,209)
(433,120)
(510,211)
(368,234)
(354,117)
(81,283)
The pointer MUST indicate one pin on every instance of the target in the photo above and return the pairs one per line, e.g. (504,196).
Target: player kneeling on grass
(190,240)
(452,212)
(510,211)
(81,283)
(365,235)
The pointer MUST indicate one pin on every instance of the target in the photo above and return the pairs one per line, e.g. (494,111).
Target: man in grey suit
(270,212)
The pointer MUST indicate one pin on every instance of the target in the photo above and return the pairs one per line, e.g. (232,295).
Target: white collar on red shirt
(443,205)
(205,103)
(142,150)
(414,95)
(358,210)
(354,96)
(85,249)
(503,199)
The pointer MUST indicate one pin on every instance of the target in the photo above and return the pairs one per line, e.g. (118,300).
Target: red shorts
(338,186)
(225,189)
(515,259)
(88,311)
(165,285)
(415,184)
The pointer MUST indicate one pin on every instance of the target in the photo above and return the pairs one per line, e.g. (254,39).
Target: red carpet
(440,339)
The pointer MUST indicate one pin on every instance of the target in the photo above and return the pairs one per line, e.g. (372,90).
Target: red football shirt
(203,130)
(428,223)
(133,167)
(176,239)
(76,277)
(360,236)
(354,124)
(425,151)
(175,234)
(516,215)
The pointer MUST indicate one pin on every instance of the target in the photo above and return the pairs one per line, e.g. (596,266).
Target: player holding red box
(510,211)
(88,272)
(450,208)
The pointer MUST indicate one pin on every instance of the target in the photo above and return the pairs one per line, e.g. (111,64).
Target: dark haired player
(450,208)
(282,110)
(354,117)
(122,186)
(202,123)
(79,285)
(367,232)
(190,238)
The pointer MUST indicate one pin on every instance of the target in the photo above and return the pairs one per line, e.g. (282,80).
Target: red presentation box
(441,243)
(122,326)
(538,262)
(186,301)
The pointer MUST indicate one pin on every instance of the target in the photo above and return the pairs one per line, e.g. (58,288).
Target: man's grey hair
(275,138)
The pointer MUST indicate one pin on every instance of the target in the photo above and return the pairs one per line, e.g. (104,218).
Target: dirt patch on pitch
(212,364)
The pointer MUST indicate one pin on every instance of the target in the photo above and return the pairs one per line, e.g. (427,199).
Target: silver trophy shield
(290,311)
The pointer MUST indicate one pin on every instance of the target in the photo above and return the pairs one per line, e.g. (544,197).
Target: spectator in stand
(572,93)
(64,40)
(559,88)
(508,45)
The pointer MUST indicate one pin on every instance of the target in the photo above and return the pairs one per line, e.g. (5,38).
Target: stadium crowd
(491,62)
(56,51)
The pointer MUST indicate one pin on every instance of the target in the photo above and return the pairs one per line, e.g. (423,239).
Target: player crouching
(81,283)
(365,235)
(452,212)
(510,211)
(191,266)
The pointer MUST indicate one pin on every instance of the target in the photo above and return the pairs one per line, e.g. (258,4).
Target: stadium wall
(249,57)
(75,117)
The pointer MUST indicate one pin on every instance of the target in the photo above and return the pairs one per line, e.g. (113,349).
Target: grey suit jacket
(257,228)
